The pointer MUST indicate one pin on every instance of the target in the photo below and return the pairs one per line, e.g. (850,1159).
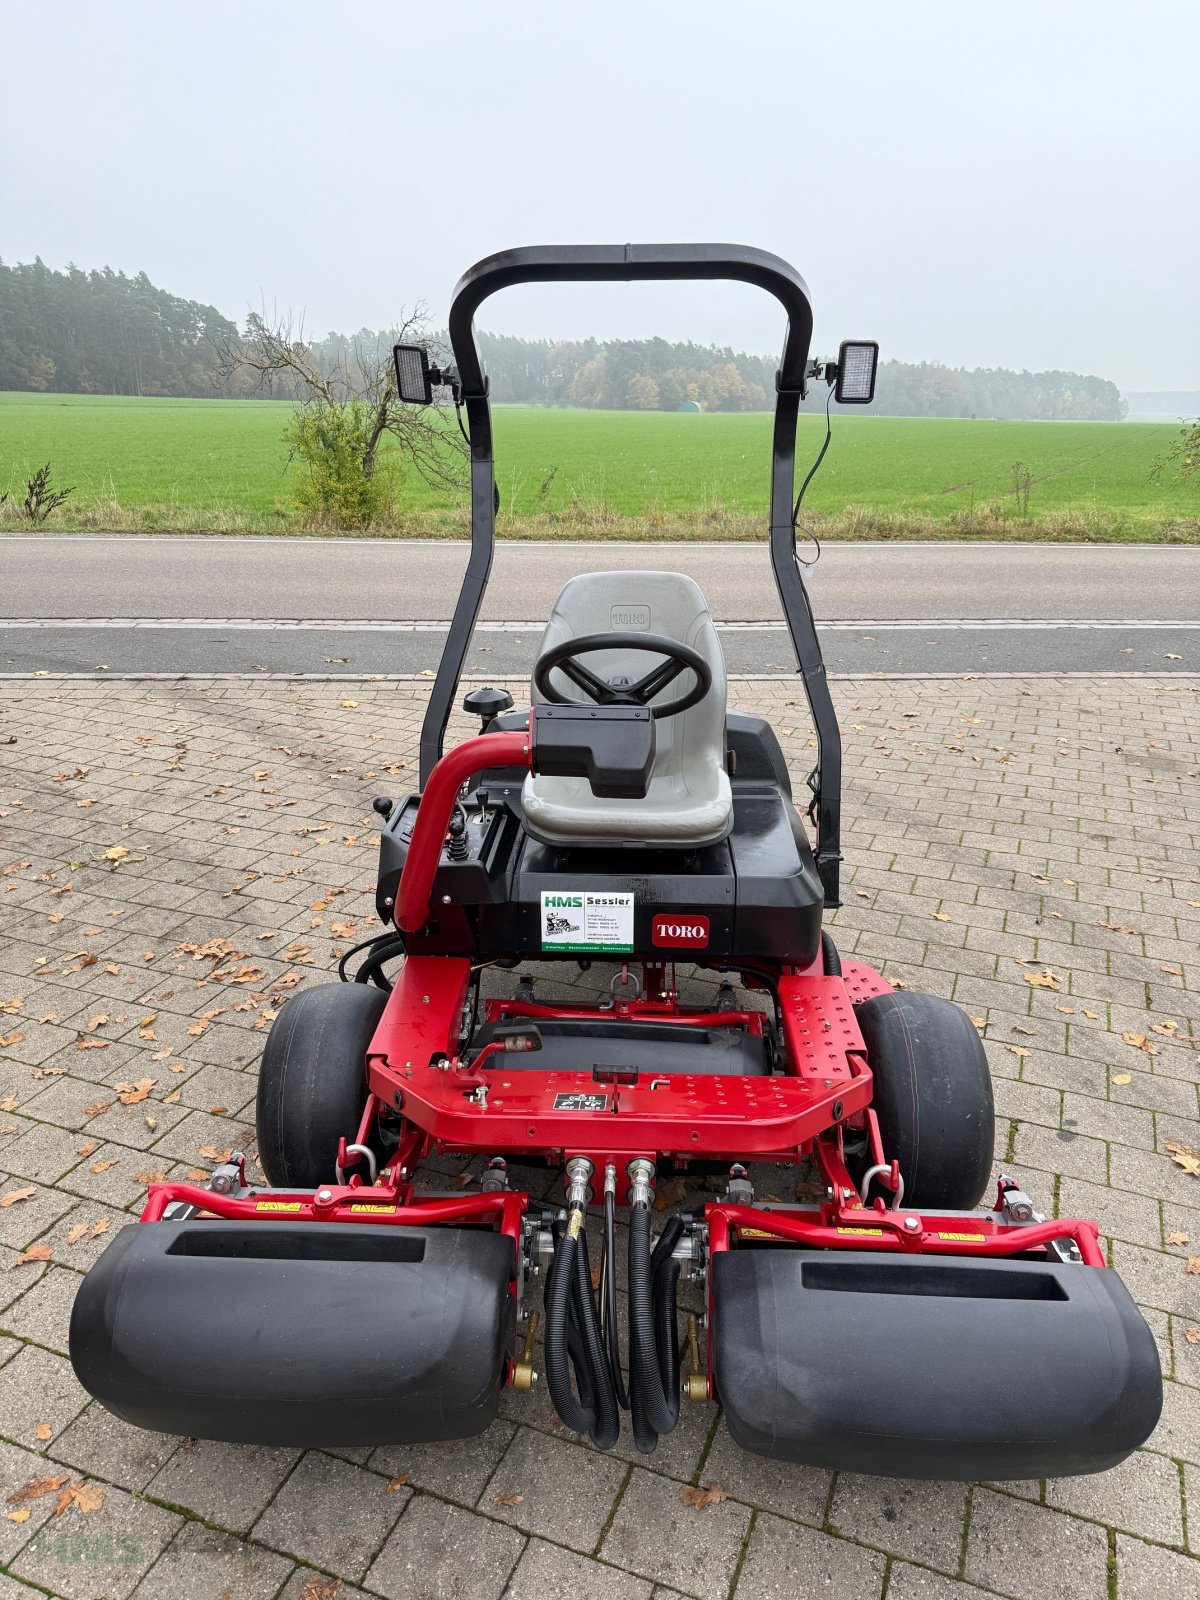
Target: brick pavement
(993,827)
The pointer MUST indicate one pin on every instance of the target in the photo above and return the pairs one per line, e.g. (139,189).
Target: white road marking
(362,625)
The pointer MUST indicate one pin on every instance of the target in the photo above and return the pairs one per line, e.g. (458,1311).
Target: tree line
(102,332)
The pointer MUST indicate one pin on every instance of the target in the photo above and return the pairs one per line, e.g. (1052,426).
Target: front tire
(933,1098)
(312,1085)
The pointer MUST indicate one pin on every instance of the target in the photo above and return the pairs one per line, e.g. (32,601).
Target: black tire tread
(932,1095)
(312,1083)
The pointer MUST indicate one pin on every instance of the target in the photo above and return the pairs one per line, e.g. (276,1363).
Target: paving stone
(914,1583)
(305,1584)
(1025,1550)
(545,1570)
(331,1514)
(439,1552)
(228,1484)
(20,1468)
(23,1221)
(114,1450)
(656,1536)
(1143,1495)
(43,1153)
(102,1553)
(785,1560)
(37,1387)
(536,1468)
(923,1520)
(1118,1212)
(456,1470)
(44,1311)
(204,1564)
(1177,1434)
(1147,1572)
(783,1486)
(1159,1278)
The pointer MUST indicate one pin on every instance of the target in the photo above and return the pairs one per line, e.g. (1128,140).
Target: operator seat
(688,802)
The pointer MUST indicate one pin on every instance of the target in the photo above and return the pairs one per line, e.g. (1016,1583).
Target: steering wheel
(680,657)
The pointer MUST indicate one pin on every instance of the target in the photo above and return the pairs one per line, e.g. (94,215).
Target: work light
(857,361)
(413,380)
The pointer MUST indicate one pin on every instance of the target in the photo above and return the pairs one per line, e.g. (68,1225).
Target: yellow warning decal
(277,1205)
(876,1233)
(388,1209)
(963,1238)
(756,1233)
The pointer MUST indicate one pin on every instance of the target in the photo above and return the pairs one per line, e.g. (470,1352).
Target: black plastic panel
(293,1333)
(931,1367)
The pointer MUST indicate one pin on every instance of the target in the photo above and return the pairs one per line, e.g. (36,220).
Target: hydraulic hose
(573,1342)
(829,956)
(653,1334)
(609,1299)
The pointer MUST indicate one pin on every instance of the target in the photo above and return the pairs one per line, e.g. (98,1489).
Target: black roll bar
(624,263)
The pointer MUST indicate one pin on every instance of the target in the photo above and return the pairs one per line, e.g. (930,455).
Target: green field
(221,464)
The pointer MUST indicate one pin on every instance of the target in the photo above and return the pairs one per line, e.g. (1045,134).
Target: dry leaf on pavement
(509,1499)
(1042,980)
(132,1094)
(700,1499)
(35,1489)
(36,1252)
(13,1195)
(1184,1156)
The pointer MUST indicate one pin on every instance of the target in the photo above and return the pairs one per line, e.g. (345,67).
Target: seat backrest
(666,603)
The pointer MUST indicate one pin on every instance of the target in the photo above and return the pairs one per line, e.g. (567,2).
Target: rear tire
(933,1098)
(312,1085)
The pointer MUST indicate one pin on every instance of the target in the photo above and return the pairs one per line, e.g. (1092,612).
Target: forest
(103,332)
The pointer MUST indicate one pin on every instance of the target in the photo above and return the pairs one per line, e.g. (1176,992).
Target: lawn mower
(873,1319)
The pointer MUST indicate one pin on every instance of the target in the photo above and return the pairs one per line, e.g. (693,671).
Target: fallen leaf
(1139,1041)
(36,1489)
(91,1044)
(7,1040)
(36,1252)
(1018,1050)
(103,1166)
(20,1515)
(701,1499)
(132,1094)
(1122,1078)
(43,1432)
(1173,972)
(1193,1266)
(87,1149)
(1177,1238)
(508,1499)
(13,1195)
(942,916)
(1042,980)
(101,1225)
(96,1109)
(1184,1156)
(399,1482)
(82,1495)
(1192,1335)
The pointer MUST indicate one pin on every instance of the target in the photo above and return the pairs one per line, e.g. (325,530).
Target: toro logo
(687,931)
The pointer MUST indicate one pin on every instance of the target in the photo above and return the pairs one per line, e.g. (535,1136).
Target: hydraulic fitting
(640,1173)
(579,1190)
(739,1191)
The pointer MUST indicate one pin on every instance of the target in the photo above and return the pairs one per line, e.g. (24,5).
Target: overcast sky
(987,184)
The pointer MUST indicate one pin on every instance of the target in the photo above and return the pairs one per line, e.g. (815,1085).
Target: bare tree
(348,396)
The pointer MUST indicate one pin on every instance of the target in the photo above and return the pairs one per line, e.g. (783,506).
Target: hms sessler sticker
(587,921)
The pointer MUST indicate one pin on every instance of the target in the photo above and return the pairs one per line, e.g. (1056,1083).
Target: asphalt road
(195,604)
